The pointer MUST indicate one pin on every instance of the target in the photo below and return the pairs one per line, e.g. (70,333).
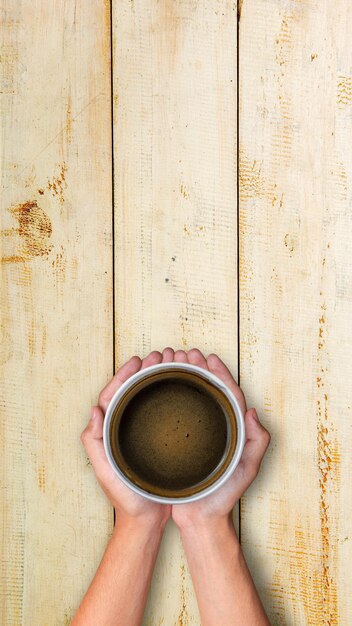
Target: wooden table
(124,132)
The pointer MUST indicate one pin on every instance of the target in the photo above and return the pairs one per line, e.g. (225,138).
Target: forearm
(118,592)
(223,585)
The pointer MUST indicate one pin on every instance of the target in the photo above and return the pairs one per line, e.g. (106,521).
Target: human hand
(129,506)
(220,503)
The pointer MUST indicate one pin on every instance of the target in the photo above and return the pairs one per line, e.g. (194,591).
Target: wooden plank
(56,303)
(295,302)
(175,206)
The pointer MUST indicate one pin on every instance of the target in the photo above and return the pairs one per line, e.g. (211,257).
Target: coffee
(171,435)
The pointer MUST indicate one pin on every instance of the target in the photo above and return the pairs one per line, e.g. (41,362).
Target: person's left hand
(127,503)
(219,504)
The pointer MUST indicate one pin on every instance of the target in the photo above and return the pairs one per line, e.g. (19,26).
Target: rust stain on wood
(306,581)
(282,140)
(23,278)
(57,184)
(31,337)
(107,16)
(183,618)
(304,574)
(342,182)
(328,460)
(290,243)
(74,268)
(328,467)
(313,565)
(183,335)
(184,191)
(284,40)
(254,184)
(277,591)
(41,478)
(34,232)
(59,264)
(105,41)
(344,91)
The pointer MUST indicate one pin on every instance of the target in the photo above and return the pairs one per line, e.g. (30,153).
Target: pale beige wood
(56,301)
(295,303)
(175,206)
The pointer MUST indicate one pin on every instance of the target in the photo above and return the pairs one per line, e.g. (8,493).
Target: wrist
(210,533)
(208,525)
(141,524)
(212,542)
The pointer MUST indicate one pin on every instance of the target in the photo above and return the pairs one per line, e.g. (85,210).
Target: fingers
(153,358)
(180,356)
(168,355)
(124,372)
(129,368)
(257,442)
(195,357)
(218,367)
(92,439)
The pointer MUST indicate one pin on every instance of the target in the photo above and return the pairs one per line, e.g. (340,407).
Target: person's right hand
(129,506)
(220,503)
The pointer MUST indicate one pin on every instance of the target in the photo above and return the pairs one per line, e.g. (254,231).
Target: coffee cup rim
(210,377)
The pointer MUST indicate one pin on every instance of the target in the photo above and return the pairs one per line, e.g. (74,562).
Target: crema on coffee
(172,434)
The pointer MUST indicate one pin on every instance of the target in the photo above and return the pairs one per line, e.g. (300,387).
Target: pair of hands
(130,505)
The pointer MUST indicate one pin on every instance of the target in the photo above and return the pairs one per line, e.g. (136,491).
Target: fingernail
(255,415)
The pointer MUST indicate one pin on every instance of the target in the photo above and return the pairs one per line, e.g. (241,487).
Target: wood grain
(175,229)
(295,302)
(175,207)
(56,304)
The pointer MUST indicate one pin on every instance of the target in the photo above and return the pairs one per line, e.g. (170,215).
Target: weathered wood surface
(175,222)
(175,206)
(56,306)
(295,302)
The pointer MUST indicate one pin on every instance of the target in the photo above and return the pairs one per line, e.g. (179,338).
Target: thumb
(92,439)
(257,441)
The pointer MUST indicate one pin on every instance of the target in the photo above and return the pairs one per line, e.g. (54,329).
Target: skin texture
(224,588)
